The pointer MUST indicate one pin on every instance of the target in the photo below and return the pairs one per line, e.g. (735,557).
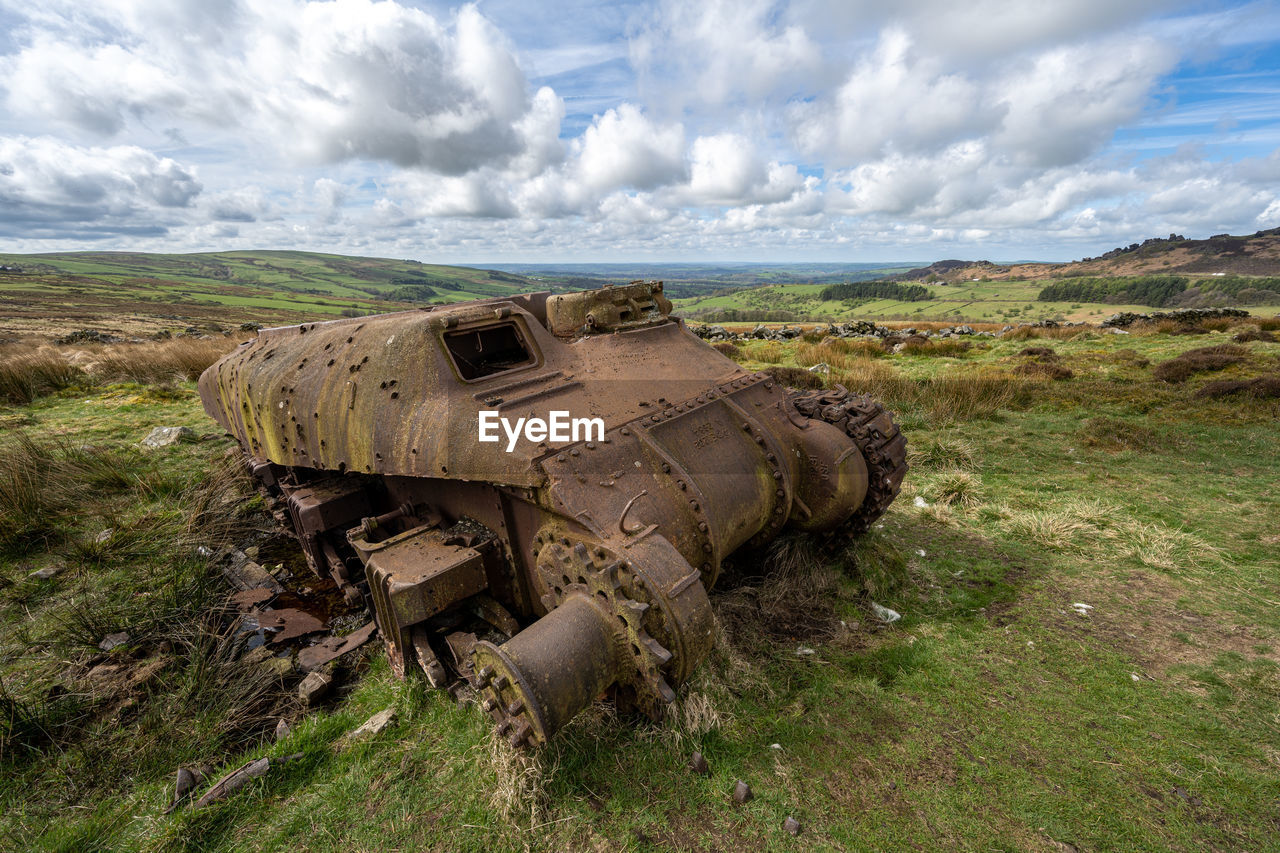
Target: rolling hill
(137,293)
(1158,273)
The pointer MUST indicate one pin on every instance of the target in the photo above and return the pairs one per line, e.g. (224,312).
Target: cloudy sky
(512,130)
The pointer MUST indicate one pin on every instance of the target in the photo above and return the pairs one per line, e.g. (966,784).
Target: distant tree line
(876,290)
(1155,290)
(1165,291)
(411,293)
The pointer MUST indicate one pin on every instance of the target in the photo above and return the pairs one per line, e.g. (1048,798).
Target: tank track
(873,430)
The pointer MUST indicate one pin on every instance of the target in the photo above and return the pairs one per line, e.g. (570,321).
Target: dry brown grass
(1263,387)
(1024,333)
(1199,360)
(26,374)
(726,348)
(1043,370)
(941,400)
(159,362)
(938,348)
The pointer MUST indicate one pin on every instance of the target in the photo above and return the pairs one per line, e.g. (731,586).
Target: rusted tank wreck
(586,534)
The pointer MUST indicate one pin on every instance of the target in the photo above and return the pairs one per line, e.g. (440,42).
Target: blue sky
(646,131)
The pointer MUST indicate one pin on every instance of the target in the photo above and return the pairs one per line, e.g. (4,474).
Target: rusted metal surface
(564,568)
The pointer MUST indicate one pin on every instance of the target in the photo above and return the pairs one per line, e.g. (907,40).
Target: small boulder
(47,573)
(742,792)
(791,825)
(168,436)
(374,725)
(282,729)
(111,641)
(315,687)
(698,764)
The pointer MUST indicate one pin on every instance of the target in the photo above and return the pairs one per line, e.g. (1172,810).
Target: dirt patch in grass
(1200,360)
(1040,353)
(1140,615)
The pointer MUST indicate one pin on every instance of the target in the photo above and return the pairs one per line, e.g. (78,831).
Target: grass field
(1087,657)
(1010,302)
(138,293)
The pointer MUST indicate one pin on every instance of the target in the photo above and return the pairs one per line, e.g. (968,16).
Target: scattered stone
(250,327)
(920,503)
(1081,608)
(742,792)
(187,781)
(699,765)
(315,687)
(87,336)
(791,825)
(821,367)
(47,573)
(375,725)
(104,536)
(168,436)
(282,729)
(1182,315)
(805,651)
(885,614)
(111,641)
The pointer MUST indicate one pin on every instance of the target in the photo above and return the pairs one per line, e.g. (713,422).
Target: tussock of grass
(163,361)
(796,377)
(770,352)
(1115,434)
(786,592)
(954,487)
(1200,360)
(1083,525)
(26,375)
(518,793)
(875,564)
(1263,387)
(940,452)
(1024,333)
(728,348)
(939,348)
(1249,332)
(1043,370)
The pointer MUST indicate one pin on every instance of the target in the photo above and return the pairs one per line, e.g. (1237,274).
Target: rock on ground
(168,436)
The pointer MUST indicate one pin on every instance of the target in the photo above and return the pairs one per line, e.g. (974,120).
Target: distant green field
(979,301)
(145,290)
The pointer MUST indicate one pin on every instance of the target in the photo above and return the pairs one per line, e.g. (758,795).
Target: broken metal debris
(332,648)
(569,567)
